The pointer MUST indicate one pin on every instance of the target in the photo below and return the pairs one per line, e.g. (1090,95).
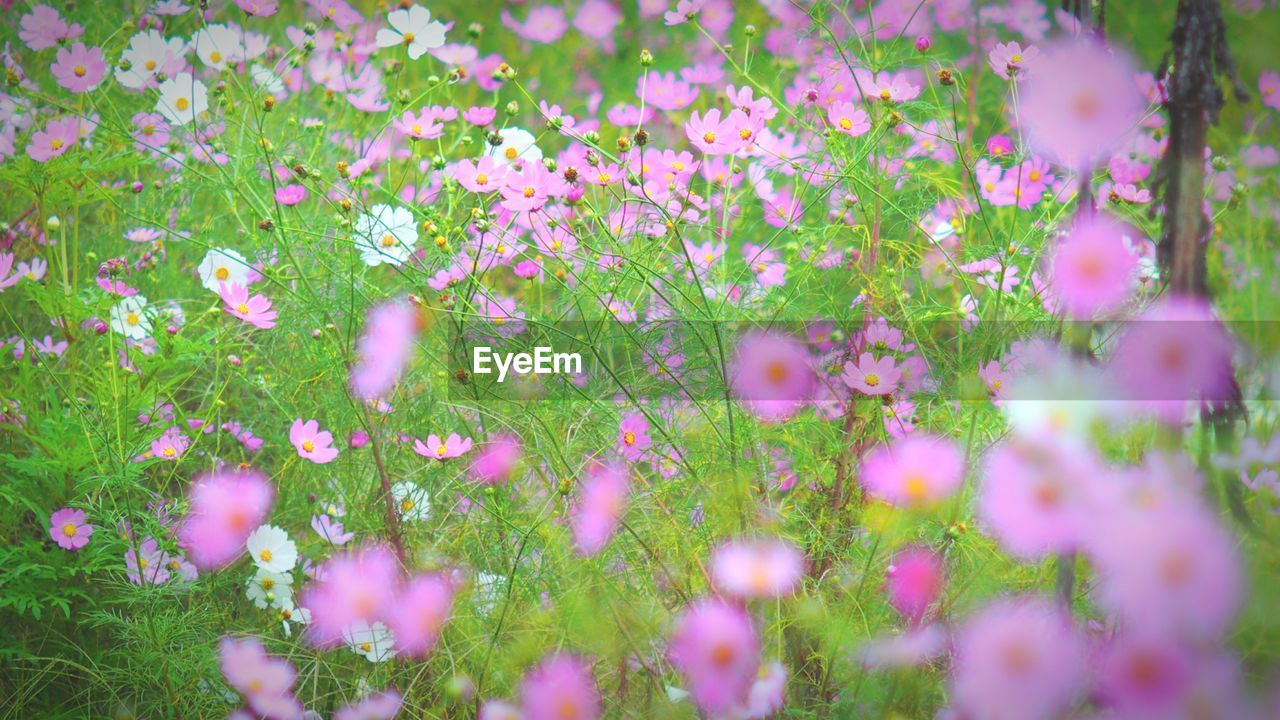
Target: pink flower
(914,581)
(390,332)
(1175,355)
(358,585)
(685,11)
(1268,88)
(79,69)
(311,442)
(633,437)
(707,134)
(1038,498)
(1009,60)
(147,565)
(68,528)
(226,506)
(1017,659)
(559,688)
(848,119)
(419,612)
(1092,269)
(331,530)
(479,116)
(255,310)
(265,682)
(170,445)
(1146,673)
(423,126)
(43,28)
(716,648)
(495,460)
(871,375)
(915,471)
(771,375)
(258,8)
(57,137)
(1081,104)
(442,450)
(600,506)
(665,91)
(544,24)
(292,194)
(757,569)
(481,176)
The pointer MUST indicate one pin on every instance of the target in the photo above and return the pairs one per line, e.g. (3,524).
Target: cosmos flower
(69,530)
(1092,269)
(771,375)
(255,310)
(560,687)
(182,98)
(871,375)
(224,266)
(757,568)
(918,470)
(495,460)
(412,502)
(1017,658)
(131,317)
(914,581)
(79,68)
(311,442)
(633,437)
(271,549)
(414,29)
(600,506)
(435,448)
(357,586)
(226,506)
(716,648)
(418,613)
(384,349)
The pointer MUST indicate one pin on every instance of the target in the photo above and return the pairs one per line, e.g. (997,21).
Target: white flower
(518,145)
(271,589)
(414,29)
(487,592)
(223,266)
(386,235)
(182,98)
(293,614)
(374,642)
(272,549)
(267,79)
(149,53)
(132,318)
(218,45)
(412,501)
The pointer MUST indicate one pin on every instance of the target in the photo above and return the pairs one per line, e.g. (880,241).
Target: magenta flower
(226,507)
(292,194)
(255,310)
(148,565)
(439,449)
(379,706)
(600,506)
(311,442)
(358,585)
(170,445)
(390,331)
(331,530)
(496,460)
(914,581)
(79,69)
(633,437)
(716,647)
(43,28)
(560,687)
(265,682)
(423,126)
(68,528)
(1269,89)
(1092,270)
(871,375)
(915,471)
(419,613)
(481,176)
(57,137)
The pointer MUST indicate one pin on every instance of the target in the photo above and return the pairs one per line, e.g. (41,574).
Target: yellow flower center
(408,38)
(79,70)
(388,240)
(406,505)
(441,450)
(182,103)
(215,56)
(222,273)
(56,144)
(917,489)
(131,318)
(529,192)
(604,178)
(268,583)
(744,133)
(148,130)
(1016,59)
(150,65)
(417,128)
(884,94)
(846,123)
(511,153)
(708,137)
(871,379)
(265,555)
(482,179)
(69,529)
(629,438)
(308,446)
(169,452)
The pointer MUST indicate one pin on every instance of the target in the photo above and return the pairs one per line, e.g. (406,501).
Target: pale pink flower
(311,442)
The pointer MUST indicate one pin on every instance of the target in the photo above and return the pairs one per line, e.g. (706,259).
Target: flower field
(645,359)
